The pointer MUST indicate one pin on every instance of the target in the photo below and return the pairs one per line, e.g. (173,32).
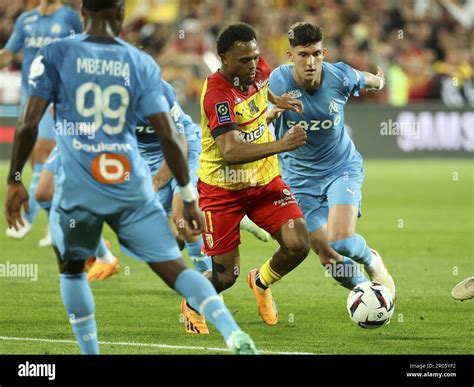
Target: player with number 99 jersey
(103,83)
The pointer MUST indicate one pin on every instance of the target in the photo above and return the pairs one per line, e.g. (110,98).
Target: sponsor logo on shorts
(288,199)
(210,240)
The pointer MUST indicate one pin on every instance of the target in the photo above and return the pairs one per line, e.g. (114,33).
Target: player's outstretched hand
(294,138)
(287,102)
(193,215)
(17,197)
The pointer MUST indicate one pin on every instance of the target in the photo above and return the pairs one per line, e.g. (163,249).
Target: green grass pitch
(418,213)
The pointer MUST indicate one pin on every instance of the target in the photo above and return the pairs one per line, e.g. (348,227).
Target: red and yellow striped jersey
(223,104)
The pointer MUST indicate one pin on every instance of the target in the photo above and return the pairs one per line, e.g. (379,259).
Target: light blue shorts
(143,233)
(343,187)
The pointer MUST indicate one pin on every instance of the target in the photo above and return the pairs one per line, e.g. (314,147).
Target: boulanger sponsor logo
(443,131)
(101,147)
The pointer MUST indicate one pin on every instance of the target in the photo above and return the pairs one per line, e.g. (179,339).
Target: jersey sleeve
(354,80)
(264,68)
(53,162)
(219,109)
(175,109)
(152,99)
(75,22)
(16,41)
(277,83)
(43,76)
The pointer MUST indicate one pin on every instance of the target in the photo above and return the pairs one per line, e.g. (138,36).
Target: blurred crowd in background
(424,46)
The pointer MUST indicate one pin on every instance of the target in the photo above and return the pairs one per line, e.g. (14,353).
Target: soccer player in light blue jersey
(98,83)
(326,174)
(34,29)
(165,184)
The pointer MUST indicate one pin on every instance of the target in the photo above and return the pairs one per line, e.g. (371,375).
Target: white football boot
(464,290)
(46,241)
(380,273)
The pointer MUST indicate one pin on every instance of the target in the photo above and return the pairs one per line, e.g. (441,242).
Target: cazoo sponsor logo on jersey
(315,124)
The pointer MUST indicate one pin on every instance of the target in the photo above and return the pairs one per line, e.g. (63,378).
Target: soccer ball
(370,305)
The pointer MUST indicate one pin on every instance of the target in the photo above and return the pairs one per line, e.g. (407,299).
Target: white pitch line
(149,345)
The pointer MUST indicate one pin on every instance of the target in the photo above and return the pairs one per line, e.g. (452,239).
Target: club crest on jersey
(56,29)
(295,93)
(253,107)
(210,240)
(333,107)
(223,112)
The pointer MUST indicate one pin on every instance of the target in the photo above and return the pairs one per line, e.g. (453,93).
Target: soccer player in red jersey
(239,175)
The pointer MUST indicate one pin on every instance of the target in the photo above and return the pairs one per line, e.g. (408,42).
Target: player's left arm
(25,138)
(374,81)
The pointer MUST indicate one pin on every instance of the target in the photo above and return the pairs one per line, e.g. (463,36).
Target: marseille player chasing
(326,173)
(99,82)
(34,29)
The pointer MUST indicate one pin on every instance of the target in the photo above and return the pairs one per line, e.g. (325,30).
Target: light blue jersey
(329,148)
(98,85)
(149,144)
(33,31)
(327,170)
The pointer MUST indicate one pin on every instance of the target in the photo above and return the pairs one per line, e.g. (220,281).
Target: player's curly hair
(100,5)
(240,32)
(303,34)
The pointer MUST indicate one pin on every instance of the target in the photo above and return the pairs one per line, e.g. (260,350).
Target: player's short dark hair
(240,32)
(303,34)
(100,5)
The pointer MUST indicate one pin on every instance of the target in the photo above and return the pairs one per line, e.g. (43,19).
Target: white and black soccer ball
(370,305)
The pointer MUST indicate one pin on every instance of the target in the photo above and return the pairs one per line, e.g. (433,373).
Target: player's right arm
(23,143)
(225,131)
(14,44)
(235,151)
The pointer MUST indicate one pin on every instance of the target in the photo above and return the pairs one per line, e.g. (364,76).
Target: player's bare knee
(42,196)
(223,282)
(42,150)
(298,247)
